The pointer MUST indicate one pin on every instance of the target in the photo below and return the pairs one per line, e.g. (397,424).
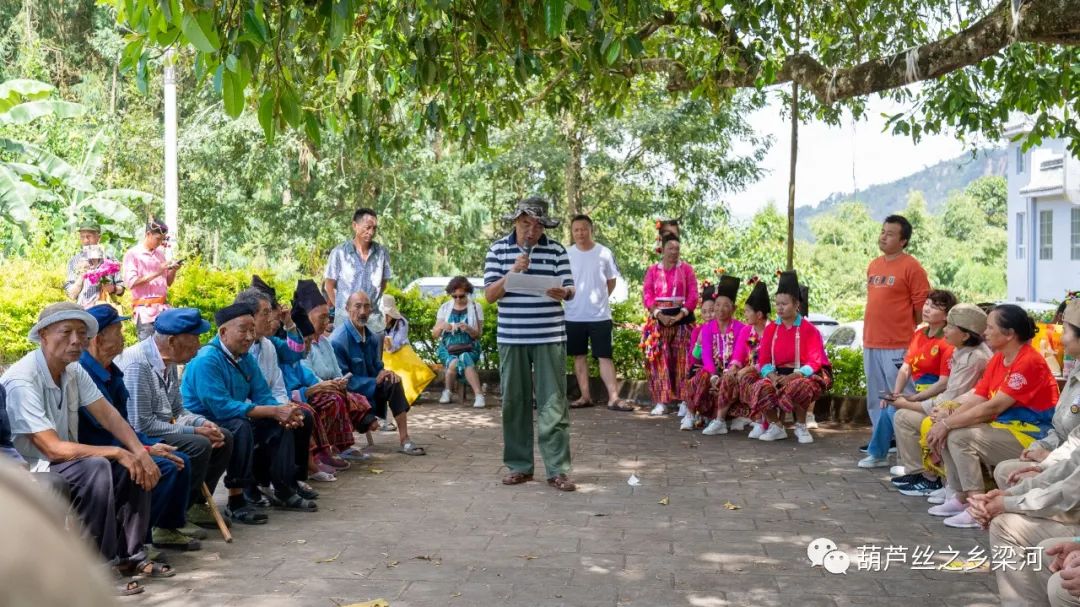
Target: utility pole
(172,199)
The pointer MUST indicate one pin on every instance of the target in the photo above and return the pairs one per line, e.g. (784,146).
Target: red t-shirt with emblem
(928,355)
(1027,380)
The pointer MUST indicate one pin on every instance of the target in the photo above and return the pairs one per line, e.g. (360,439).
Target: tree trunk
(573,165)
(791,178)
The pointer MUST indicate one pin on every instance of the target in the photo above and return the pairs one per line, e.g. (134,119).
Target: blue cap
(106,315)
(181,321)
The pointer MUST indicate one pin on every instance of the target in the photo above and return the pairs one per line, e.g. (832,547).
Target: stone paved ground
(441,530)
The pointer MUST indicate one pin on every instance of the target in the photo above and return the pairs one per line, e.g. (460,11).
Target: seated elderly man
(109,485)
(268,355)
(358,352)
(169,499)
(156,409)
(224,384)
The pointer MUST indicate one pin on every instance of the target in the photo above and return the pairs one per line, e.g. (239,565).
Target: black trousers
(207,463)
(265,452)
(115,512)
(392,396)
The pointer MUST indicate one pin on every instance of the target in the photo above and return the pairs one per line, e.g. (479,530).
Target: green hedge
(28,285)
(849,379)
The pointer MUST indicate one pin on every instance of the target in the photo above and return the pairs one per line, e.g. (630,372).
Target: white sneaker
(716,426)
(688,422)
(479,401)
(775,432)
(659,409)
(445,397)
(802,433)
(756,430)
(682,410)
(811,421)
(937,497)
(740,423)
(964,520)
(873,462)
(951,507)
(897,471)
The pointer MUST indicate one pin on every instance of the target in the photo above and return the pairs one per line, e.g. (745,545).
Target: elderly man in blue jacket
(223,383)
(357,352)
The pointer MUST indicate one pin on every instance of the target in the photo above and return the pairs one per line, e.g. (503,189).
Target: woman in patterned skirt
(670,293)
(733,388)
(794,368)
(719,338)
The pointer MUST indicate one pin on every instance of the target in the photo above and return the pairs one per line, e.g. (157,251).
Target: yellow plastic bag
(415,374)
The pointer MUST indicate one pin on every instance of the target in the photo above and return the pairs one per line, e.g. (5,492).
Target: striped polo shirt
(529,319)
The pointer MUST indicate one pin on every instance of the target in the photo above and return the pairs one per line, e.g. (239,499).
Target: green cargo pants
(518,366)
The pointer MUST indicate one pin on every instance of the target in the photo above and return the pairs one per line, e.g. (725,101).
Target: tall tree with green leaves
(468,66)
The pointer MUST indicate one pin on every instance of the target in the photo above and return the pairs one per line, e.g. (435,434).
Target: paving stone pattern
(441,530)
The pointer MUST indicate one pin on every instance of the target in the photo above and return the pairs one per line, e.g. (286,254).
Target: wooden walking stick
(222,527)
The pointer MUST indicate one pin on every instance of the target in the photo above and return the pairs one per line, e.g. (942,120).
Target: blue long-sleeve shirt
(298,377)
(359,356)
(111,384)
(218,389)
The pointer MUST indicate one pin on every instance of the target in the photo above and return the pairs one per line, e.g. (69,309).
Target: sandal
(246,515)
(516,478)
(148,568)
(322,477)
(128,587)
(620,405)
(411,448)
(305,491)
(562,483)
(296,503)
(581,404)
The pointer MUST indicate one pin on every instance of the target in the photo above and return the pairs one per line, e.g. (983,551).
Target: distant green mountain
(935,182)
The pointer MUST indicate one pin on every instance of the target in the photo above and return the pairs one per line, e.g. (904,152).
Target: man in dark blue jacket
(169,499)
(357,351)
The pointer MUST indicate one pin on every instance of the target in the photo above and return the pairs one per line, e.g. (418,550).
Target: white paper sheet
(531,284)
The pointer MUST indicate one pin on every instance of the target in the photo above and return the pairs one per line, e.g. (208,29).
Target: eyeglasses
(460,296)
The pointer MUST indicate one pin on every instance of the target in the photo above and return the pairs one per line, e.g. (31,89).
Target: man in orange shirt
(896,288)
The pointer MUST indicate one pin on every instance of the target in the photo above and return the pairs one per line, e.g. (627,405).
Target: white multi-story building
(1044,219)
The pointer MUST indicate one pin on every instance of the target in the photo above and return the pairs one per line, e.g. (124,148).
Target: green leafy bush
(25,288)
(28,285)
(849,379)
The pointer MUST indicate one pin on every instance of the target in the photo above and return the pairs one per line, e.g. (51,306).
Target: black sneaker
(865,448)
(892,446)
(921,487)
(905,479)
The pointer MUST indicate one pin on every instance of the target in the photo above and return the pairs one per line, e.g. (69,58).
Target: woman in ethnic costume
(733,388)
(670,293)
(720,338)
(795,370)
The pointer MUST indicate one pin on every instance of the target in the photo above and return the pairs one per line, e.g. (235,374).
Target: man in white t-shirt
(588,315)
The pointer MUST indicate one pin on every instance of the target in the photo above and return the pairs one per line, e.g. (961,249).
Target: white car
(435,286)
(825,324)
(847,335)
